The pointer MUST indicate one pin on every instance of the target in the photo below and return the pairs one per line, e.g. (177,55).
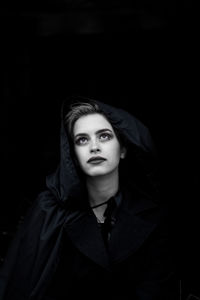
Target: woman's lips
(96,160)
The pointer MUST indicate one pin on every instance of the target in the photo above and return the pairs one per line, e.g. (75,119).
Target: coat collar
(128,234)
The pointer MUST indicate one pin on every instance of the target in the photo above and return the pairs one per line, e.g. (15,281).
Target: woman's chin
(101,173)
(97,174)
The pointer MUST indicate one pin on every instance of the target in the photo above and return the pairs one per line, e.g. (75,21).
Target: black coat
(59,249)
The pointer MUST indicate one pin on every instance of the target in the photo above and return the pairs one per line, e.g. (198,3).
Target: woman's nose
(94,146)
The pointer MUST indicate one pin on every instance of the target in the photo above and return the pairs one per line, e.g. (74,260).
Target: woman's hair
(77,110)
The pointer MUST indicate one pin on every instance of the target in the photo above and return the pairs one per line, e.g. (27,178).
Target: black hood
(140,163)
(36,250)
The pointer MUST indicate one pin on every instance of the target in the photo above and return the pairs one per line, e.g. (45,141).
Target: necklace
(100,220)
(103,203)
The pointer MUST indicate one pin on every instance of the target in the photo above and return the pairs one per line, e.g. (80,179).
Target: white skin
(94,136)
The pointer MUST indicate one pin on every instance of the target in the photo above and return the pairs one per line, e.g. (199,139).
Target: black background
(140,56)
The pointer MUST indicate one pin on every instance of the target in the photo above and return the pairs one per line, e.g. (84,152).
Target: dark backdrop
(139,56)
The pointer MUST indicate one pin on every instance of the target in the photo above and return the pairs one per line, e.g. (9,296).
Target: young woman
(99,230)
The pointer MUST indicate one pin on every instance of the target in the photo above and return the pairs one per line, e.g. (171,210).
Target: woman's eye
(81,141)
(105,136)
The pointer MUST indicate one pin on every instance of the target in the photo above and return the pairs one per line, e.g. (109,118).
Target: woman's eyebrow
(103,130)
(97,132)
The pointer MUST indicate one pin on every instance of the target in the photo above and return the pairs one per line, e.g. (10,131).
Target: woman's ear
(123,152)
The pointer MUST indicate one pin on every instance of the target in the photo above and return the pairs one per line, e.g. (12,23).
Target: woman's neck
(102,188)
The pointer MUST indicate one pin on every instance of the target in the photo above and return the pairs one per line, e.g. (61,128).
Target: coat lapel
(86,236)
(128,234)
(134,224)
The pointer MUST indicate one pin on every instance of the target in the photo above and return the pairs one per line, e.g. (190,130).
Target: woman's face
(96,146)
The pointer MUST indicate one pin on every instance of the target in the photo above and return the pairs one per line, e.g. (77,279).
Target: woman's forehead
(91,123)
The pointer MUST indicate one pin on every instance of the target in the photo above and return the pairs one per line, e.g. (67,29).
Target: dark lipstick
(96,159)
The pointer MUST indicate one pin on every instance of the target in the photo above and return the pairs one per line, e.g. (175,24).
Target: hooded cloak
(34,254)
